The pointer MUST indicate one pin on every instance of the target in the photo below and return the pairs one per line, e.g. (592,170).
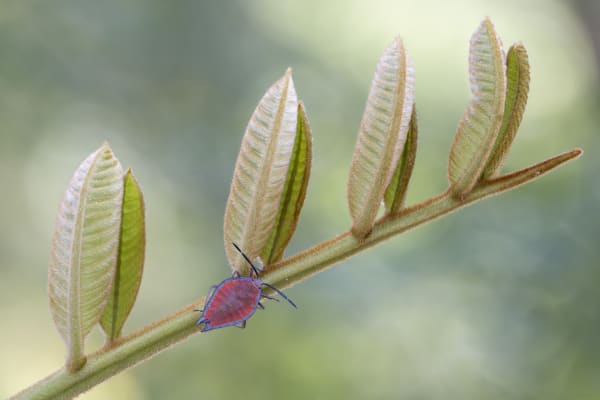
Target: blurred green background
(498,301)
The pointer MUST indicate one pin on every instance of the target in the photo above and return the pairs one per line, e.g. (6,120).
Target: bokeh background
(498,301)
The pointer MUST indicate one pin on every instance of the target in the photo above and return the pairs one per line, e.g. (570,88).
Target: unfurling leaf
(130,261)
(84,250)
(260,173)
(381,136)
(479,126)
(294,192)
(517,89)
(395,193)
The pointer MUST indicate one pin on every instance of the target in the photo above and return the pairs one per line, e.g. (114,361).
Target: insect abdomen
(234,301)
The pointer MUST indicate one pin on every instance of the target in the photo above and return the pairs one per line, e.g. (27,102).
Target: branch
(148,341)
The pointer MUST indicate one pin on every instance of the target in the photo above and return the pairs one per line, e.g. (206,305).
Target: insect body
(234,301)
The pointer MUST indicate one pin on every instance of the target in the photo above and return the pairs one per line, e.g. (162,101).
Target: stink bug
(234,301)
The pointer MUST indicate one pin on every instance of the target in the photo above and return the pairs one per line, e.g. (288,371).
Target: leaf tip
(576,153)
(301,105)
(487,21)
(287,81)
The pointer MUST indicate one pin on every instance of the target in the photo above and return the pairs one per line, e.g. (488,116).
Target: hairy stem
(145,343)
(292,270)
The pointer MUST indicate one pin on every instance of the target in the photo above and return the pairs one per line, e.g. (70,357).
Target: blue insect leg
(280,293)
(264,296)
(241,325)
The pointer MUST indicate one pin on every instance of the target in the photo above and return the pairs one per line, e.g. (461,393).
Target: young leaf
(84,250)
(130,261)
(381,136)
(294,192)
(517,89)
(260,173)
(396,190)
(479,126)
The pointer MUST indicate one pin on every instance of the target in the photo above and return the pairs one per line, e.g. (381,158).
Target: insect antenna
(264,283)
(280,293)
(246,258)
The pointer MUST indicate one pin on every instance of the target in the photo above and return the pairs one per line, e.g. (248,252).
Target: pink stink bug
(234,301)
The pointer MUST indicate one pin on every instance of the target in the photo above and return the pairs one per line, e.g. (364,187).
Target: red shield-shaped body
(232,302)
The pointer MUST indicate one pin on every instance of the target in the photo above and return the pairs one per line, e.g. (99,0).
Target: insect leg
(269,297)
(280,293)
(259,305)
(241,325)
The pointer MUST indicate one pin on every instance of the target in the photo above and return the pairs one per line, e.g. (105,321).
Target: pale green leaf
(395,193)
(479,126)
(130,264)
(84,250)
(517,89)
(260,173)
(294,192)
(381,136)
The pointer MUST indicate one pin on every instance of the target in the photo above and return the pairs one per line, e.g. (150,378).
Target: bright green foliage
(130,264)
(517,89)
(395,194)
(84,250)
(294,192)
(479,126)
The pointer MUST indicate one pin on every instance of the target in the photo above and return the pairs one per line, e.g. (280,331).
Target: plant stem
(294,269)
(145,343)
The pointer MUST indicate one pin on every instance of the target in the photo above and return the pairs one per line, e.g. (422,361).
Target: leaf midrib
(261,186)
(75,328)
(375,196)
